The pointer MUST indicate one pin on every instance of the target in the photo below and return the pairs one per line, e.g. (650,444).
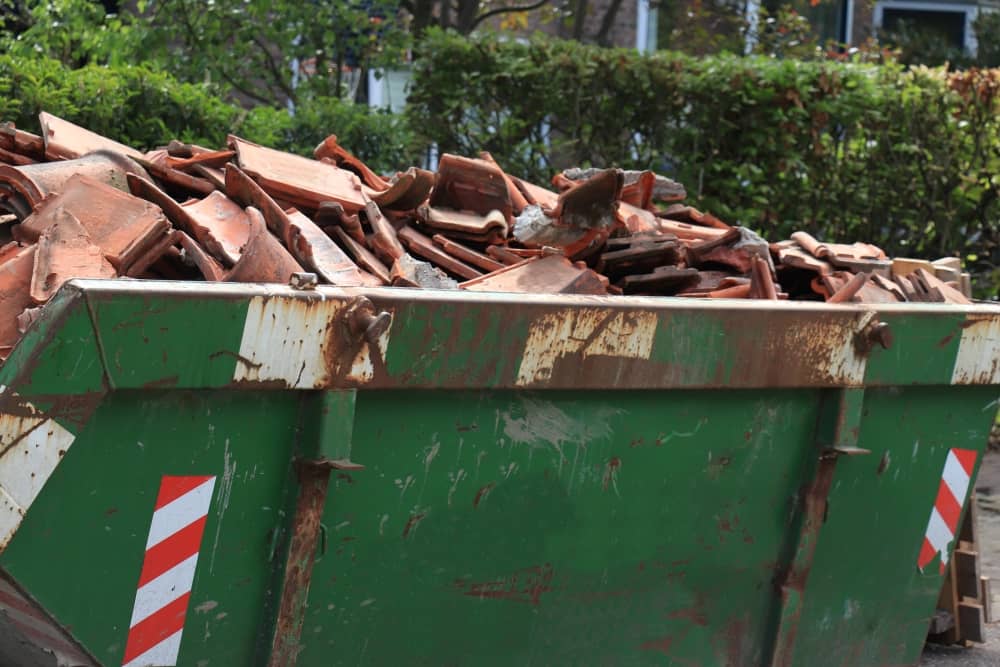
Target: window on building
(828,18)
(949,26)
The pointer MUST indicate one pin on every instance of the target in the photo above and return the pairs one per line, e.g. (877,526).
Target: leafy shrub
(907,159)
(145,108)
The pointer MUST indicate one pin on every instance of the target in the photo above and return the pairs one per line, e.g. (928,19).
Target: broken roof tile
(318,252)
(65,251)
(216,222)
(303,182)
(364,257)
(491,225)
(32,183)
(535,194)
(424,247)
(155,162)
(330,149)
(263,259)
(66,140)
(408,271)
(553,274)
(458,250)
(407,191)
(122,225)
(16,267)
(468,184)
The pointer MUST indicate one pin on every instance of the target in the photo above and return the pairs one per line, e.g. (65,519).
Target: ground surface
(988,490)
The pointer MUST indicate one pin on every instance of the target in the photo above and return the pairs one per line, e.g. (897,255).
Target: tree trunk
(603,36)
(466,19)
(580,18)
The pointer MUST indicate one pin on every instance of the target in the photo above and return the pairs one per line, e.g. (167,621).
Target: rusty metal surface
(305,536)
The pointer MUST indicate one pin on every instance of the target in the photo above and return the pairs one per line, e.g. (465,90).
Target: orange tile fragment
(123,226)
(303,182)
(65,251)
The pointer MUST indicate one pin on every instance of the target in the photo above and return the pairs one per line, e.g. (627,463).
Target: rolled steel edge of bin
(99,338)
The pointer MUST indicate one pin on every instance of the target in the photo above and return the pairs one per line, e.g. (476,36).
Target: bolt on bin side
(250,475)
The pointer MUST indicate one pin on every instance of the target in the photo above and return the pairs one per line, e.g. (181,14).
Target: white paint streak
(285,340)
(288,340)
(955,478)
(34,447)
(225,490)
(26,467)
(362,368)
(540,423)
(939,534)
(978,358)
(588,332)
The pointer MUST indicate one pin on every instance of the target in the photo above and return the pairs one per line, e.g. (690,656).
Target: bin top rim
(249,290)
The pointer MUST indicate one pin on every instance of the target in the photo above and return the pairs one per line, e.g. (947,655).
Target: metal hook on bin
(363,320)
(874,333)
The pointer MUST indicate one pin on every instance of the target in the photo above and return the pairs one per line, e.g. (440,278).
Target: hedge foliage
(145,108)
(907,159)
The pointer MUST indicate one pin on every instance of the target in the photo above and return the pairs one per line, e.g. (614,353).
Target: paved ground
(988,489)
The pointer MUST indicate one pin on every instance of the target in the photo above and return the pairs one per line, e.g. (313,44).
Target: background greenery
(792,138)
(144,107)
(905,158)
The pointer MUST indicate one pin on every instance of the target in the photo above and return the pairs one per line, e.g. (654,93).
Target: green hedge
(906,159)
(145,108)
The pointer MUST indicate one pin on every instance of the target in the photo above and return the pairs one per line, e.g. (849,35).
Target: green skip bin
(226,475)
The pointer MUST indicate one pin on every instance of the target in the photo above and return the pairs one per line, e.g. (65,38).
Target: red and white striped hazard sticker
(161,600)
(943,524)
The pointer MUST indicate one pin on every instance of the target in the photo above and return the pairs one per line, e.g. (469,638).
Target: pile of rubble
(76,204)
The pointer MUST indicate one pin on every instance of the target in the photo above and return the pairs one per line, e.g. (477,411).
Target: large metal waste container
(246,475)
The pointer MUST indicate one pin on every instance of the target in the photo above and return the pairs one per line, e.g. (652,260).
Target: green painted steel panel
(558,528)
(923,350)
(80,549)
(72,364)
(556,480)
(172,343)
(477,352)
(866,603)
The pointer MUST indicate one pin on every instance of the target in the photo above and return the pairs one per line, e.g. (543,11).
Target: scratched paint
(539,423)
(978,358)
(587,332)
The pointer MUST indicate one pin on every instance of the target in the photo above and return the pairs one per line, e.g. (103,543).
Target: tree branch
(505,10)
(279,79)
(240,88)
